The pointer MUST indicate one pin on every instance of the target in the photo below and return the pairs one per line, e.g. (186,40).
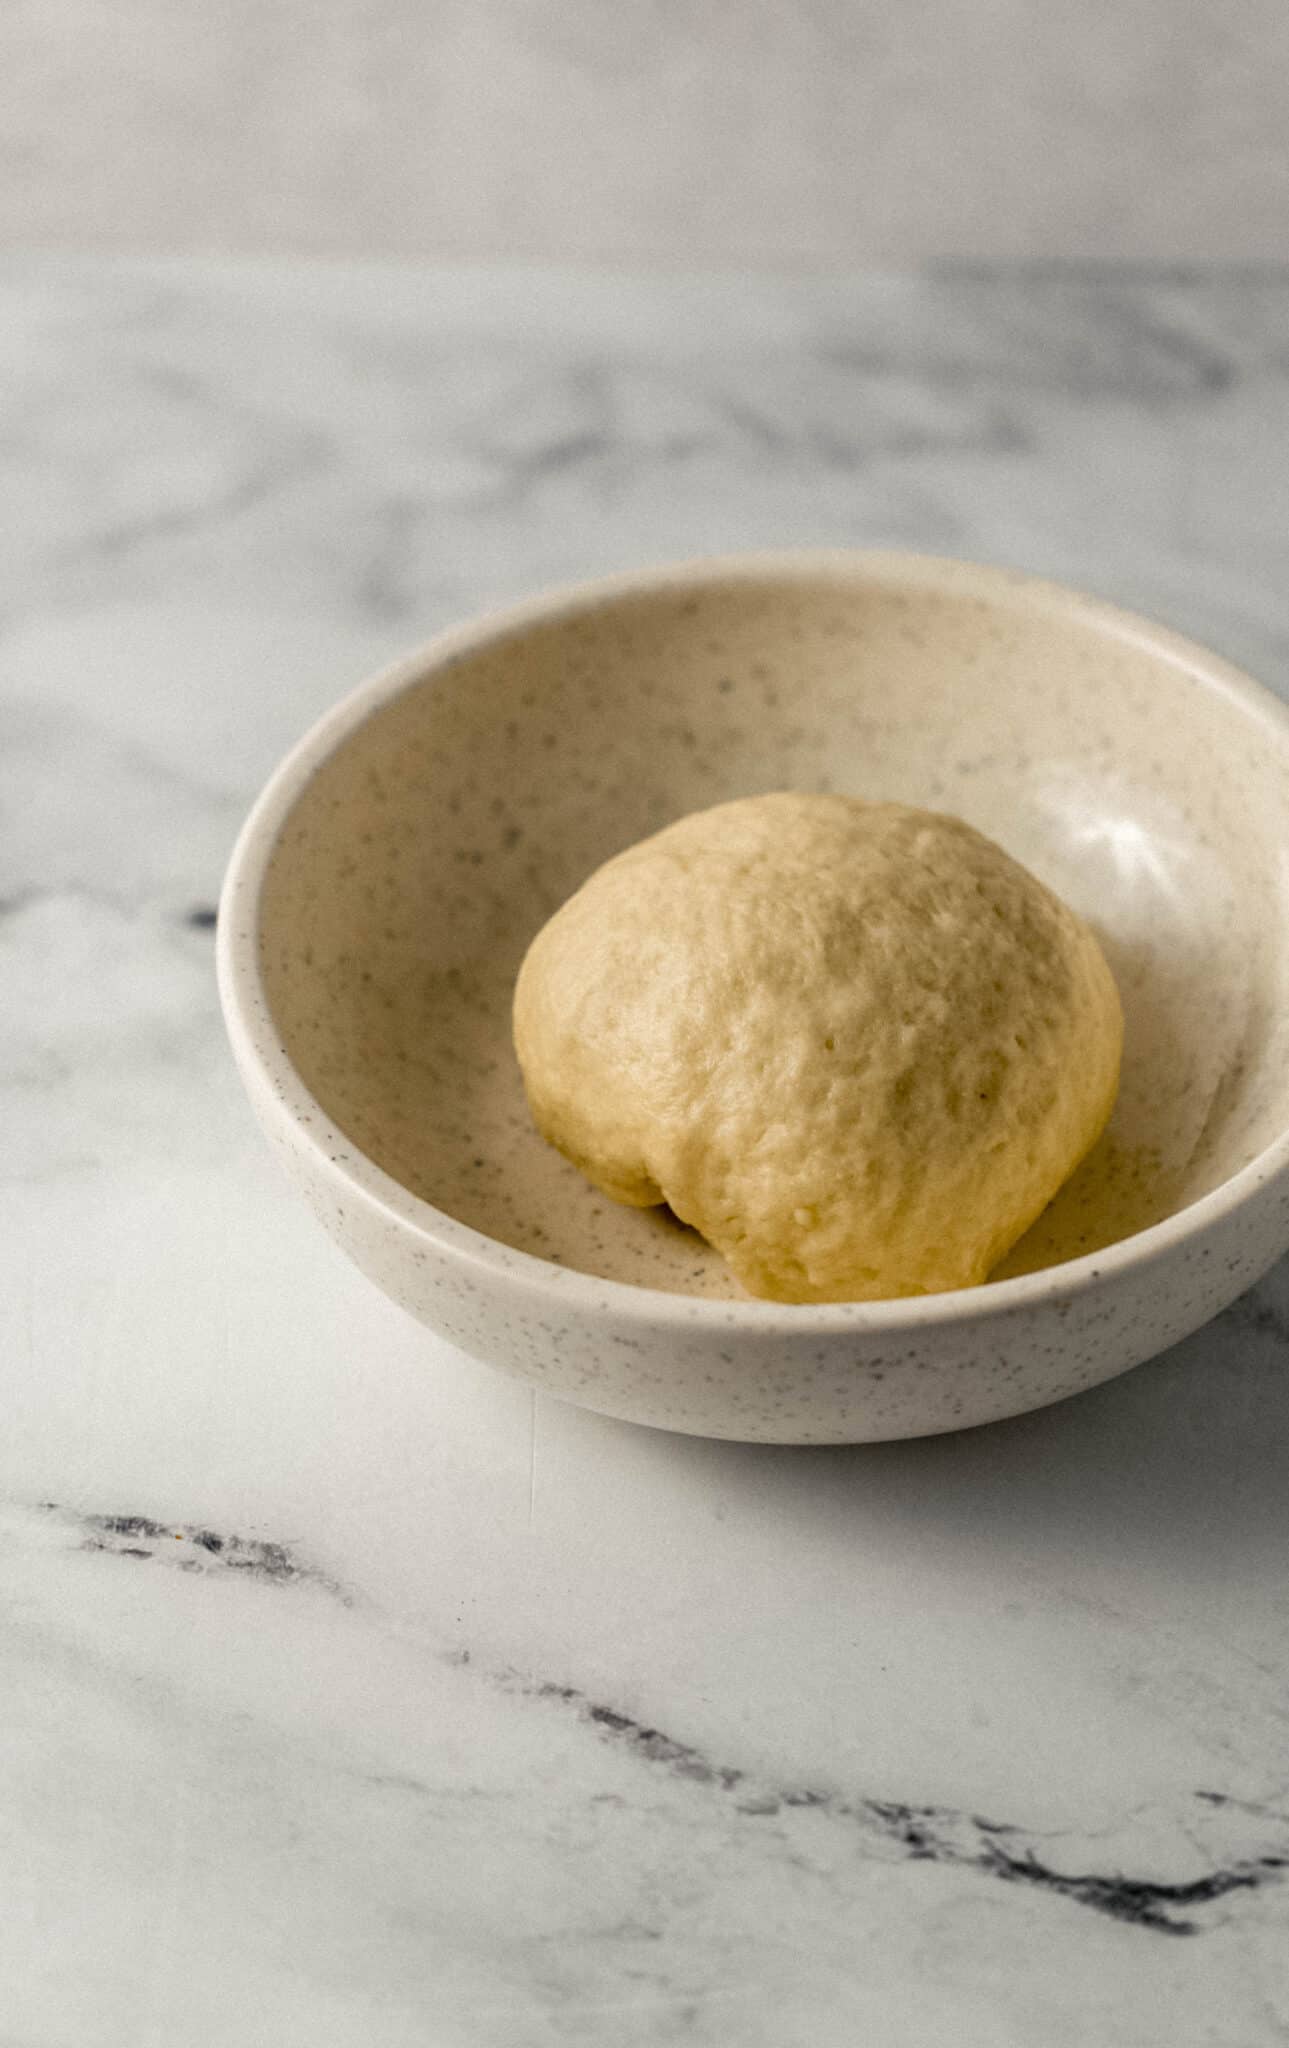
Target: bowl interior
(428,847)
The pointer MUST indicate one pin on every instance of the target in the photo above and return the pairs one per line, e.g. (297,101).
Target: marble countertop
(350,1694)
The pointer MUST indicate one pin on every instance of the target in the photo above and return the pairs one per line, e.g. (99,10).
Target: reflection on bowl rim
(246,1006)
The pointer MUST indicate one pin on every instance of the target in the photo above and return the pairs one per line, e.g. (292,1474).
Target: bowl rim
(256,1040)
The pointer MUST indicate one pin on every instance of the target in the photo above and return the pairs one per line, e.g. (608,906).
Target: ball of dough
(854,1044)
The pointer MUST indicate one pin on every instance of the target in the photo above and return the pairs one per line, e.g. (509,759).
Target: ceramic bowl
(391,875)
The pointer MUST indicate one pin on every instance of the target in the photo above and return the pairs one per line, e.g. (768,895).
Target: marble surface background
(795,131)
(349,1693)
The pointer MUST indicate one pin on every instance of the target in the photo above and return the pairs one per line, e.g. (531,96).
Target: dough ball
(854,1044)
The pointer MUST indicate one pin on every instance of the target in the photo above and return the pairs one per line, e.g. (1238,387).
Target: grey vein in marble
(999,1849)
(200,1549)
(1002,1850)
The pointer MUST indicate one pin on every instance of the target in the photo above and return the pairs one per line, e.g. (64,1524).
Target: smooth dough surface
(856,1045)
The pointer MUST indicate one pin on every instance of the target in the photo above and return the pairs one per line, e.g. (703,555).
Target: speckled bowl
(385,886)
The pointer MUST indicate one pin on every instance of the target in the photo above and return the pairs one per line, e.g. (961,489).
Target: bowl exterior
(741,1370)
(863,1383)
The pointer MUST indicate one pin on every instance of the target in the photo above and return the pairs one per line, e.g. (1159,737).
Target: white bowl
(388,880)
